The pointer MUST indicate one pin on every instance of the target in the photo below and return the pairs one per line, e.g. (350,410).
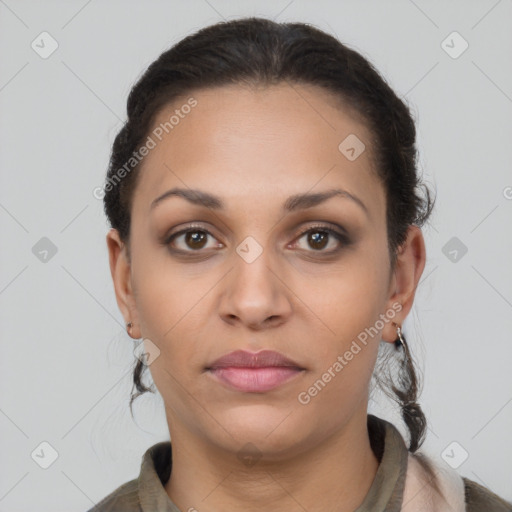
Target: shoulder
(123,499)
(480,498)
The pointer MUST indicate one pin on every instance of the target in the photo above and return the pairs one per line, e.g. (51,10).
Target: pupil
(318,237)
(194,237)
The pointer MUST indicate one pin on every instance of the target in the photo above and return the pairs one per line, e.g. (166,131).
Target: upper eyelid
(317,224)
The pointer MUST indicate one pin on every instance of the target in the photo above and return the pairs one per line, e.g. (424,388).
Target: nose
(255,295)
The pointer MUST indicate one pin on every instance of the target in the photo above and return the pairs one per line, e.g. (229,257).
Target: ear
(411,259)
(121,276)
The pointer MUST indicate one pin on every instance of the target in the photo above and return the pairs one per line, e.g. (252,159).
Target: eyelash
(340,237)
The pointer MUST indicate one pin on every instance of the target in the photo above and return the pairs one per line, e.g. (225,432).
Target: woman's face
(261,268)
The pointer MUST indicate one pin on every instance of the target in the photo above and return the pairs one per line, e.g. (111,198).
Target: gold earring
(129,326)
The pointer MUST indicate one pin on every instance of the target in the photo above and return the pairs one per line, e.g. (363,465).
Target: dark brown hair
(257,51)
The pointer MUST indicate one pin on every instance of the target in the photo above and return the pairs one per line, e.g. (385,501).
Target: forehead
(259,144)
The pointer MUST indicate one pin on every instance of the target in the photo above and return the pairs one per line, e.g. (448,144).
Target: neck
(333,474)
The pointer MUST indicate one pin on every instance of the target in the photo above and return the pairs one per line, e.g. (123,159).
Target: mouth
(254,372)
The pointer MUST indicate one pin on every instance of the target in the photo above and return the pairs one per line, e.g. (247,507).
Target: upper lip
(245,359)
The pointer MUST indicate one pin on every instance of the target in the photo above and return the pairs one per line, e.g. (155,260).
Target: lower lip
(255,380)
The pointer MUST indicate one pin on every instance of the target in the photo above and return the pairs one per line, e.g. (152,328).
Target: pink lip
(243,358)
(254,372)
(255,380)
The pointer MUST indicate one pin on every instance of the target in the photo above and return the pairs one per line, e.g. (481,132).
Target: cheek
(348,298)
(162,294)
(345,354)
(347,304)
(171,311)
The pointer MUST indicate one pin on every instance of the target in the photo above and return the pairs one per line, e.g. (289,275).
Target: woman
(266,245)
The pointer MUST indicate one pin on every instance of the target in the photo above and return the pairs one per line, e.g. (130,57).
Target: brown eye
(189,240)
(318,239)
(195,239)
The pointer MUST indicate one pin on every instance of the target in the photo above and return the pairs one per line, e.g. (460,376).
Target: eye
(318,238)
(193,239)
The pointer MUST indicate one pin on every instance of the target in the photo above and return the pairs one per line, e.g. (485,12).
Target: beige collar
(420,495)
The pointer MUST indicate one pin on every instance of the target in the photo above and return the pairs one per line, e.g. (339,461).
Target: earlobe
(121,276)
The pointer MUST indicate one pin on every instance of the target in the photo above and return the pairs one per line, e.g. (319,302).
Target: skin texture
(254,148)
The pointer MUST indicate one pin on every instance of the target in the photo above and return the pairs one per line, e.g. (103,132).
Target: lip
(246,359)
(254,372)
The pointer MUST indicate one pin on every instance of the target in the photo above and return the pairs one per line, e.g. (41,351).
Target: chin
(270,429)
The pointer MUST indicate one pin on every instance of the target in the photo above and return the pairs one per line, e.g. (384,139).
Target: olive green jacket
(147,493)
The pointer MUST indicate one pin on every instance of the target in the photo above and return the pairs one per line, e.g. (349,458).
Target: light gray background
(66,359)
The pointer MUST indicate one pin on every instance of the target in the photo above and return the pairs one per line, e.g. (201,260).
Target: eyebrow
(293,203)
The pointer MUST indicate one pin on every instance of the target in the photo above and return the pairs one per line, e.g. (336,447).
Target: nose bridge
(254,291)
(252,274)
